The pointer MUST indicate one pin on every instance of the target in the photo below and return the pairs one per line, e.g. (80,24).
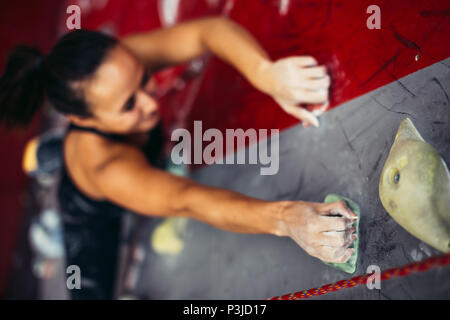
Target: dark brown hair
(29,76)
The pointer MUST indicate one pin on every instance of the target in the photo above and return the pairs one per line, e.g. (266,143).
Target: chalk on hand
(350,265)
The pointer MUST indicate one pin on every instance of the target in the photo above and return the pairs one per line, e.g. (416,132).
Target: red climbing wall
(32,22)
(358,59)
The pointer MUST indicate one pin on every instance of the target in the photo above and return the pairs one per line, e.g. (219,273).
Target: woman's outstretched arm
(289,81)
(125,178)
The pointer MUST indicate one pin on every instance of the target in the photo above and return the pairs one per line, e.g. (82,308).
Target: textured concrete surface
(345,156)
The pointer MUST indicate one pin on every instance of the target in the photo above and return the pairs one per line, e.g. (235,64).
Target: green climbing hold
(350,265)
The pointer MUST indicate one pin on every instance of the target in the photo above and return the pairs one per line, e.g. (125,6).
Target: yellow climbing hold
(166,238)
(29,160)
(415,188)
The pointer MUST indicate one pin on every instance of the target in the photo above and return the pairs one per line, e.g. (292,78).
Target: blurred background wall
(33,22)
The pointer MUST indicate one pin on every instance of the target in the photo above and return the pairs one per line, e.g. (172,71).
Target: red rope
(425,265)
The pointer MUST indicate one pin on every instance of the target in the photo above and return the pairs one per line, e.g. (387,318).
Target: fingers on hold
(350,230)
(321,83)
(349,214)
(349,223)
(315,72)
(330,254)
(315,96)
(344,258)
(333,239)
(315,85)
(332,224)
(337,255)
(338,239)
(305,61)
(349,240)
(310,118)
(341,208)
(303,115)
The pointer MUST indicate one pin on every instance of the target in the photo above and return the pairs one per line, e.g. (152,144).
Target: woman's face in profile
(119,95)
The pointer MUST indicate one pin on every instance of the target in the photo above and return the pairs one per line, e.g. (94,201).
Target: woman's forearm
(235,45)
(229,210)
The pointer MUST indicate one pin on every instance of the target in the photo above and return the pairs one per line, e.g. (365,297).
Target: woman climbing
(110,165)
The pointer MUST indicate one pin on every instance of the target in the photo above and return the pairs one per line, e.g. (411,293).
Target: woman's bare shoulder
(92,151)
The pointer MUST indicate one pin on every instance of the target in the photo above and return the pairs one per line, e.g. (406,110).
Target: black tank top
(92,228)
(79,206)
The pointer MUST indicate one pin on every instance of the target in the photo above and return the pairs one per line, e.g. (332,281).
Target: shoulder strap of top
(110,136)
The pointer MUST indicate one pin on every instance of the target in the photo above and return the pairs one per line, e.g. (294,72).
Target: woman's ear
(81,121)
